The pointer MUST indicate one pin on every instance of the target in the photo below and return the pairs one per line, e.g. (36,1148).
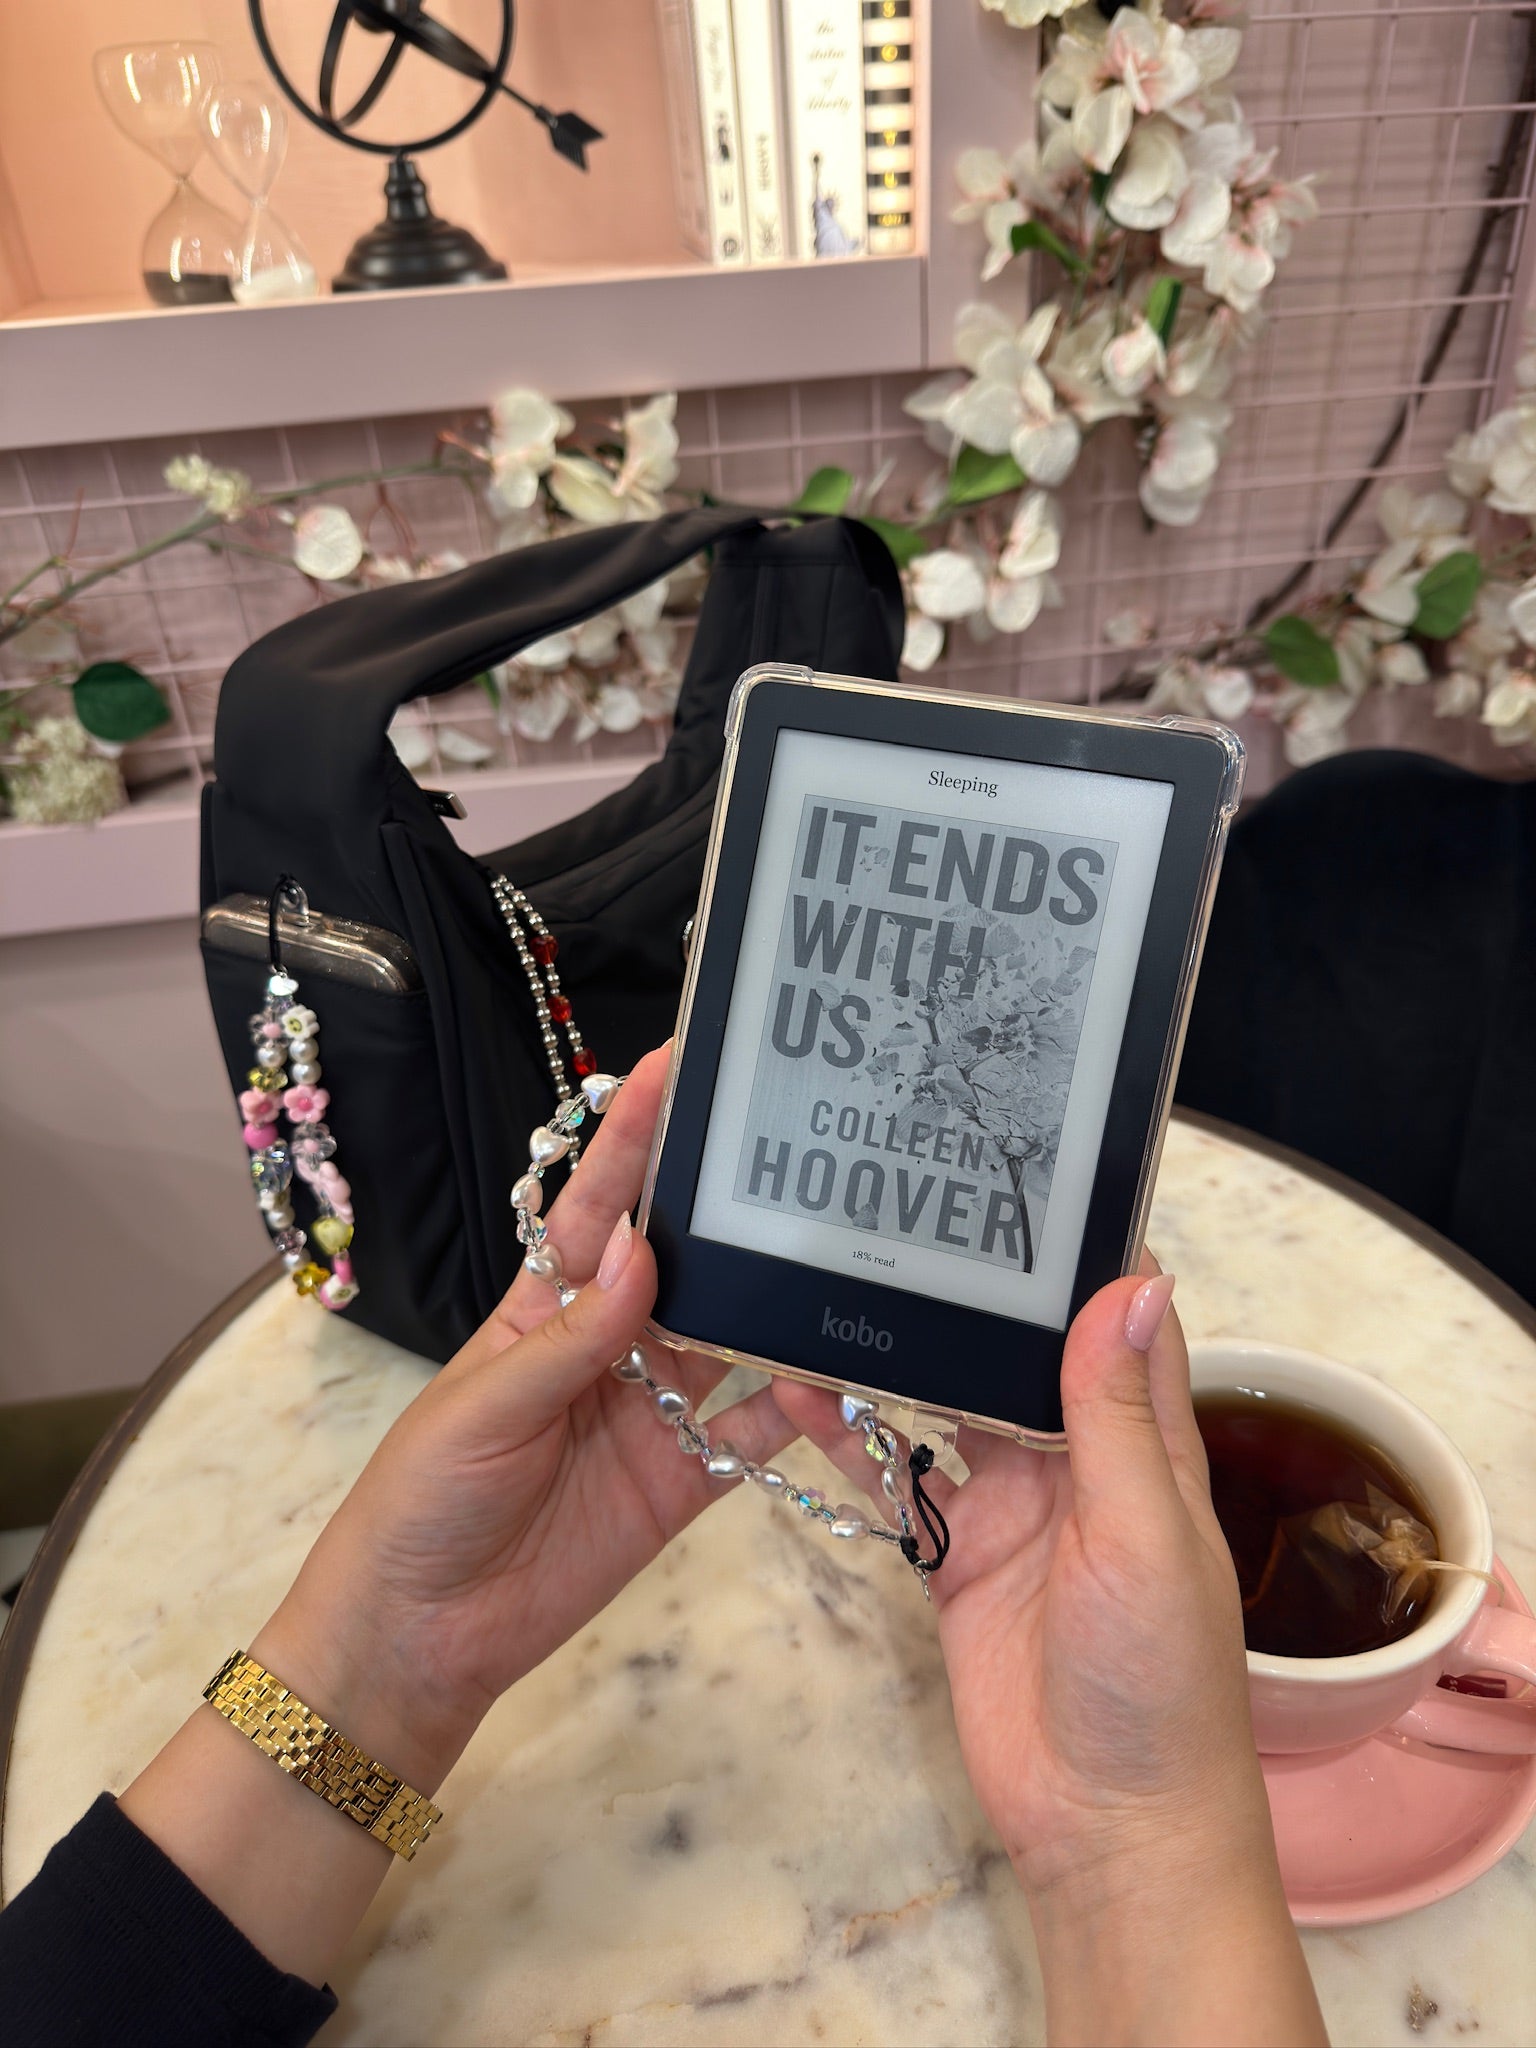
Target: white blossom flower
(1355,641)
(524,429)
(1133,627)
(1509,711)
(645,607)
(554,651)
(1150,177)
(326,543)
(1105,76)
(1470,458)
(1437,520)
(585,489)
(650,453)
(1389,588)
(617,706)
(1076,367)
(1009,405)
(1316,729)
(538,714)
(947,584)
(411,739)
(229,493)
(1134,360)
(1399,663)
(462,748)
(1177,480)
(1019,586)
(1177,685)
(1457,695)
(922,643)
(1489,633)
(989,197)
(1520,611)
(1228,691)
(596,640)
(1029,13)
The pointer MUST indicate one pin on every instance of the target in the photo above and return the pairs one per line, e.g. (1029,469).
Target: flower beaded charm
(556,1141)
(284,1078)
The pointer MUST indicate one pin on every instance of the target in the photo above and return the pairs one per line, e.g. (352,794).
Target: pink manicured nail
(1148,1308)
(617,1250)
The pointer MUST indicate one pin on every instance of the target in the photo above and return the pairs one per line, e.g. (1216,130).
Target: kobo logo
(846,1331)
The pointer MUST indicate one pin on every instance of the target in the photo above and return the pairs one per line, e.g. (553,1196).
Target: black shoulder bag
(435,1088)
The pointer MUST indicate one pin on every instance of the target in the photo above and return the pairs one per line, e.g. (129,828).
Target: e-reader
(934,1003)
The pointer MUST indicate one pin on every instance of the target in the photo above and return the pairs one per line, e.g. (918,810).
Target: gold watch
(311,1750)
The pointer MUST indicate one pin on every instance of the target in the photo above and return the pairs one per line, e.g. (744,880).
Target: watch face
(928,1004)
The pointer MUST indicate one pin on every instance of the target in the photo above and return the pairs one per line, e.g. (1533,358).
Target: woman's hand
(1091,1627)
(516,1495)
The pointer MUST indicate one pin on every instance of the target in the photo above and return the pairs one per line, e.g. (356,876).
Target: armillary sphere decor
(411,246)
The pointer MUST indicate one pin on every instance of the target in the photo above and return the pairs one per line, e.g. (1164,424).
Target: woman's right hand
(1092,1631)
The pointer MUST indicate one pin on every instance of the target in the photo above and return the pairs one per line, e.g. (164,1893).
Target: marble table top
(732,1809)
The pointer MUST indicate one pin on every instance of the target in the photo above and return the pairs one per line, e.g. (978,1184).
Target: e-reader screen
(928,1005)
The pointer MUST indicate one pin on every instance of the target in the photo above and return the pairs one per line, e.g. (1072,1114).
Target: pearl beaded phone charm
(284,1078)
(558,1140)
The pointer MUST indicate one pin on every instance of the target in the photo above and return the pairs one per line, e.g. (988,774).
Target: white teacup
(1304,1703)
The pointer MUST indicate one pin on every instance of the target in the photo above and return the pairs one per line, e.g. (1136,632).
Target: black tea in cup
(1333,1547)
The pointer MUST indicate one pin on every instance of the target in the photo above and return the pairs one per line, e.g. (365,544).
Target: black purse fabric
(433,1093)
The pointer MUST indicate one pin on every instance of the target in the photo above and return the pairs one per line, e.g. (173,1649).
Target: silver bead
(671,1405)
(725,1462)
(853,1410)
(568,1295)
(293,1260)
(281,985)
(270,1055)
(850,1523)
(546,1146)
(545,1264)
(631,1366)
(890,1485)
(305,1071)
(528,1193)
(600,1089)
(770,1479)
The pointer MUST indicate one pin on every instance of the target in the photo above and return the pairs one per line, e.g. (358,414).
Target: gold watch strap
(310,1749)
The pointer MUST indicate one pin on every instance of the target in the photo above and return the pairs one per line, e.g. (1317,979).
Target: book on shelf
(889,156)
(792,126)
(699,66)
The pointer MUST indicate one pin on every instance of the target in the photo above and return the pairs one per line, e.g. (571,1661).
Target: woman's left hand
(516,1495)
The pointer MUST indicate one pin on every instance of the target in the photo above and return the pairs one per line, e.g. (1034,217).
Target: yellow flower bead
(332,1233)
(309,1277)
(260,1077)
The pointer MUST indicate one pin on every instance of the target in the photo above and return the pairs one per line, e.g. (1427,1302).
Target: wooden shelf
(141,864)
(206,369)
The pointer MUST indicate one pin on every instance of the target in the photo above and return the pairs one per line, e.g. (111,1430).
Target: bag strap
(302,716)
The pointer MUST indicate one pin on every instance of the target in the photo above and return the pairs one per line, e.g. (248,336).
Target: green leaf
(1446,593)
(1299,651)
(1034,234)
(487,683)
(977,475)
(1099,185)
(904,542)
(117,702)
(1163,306)
(827,491)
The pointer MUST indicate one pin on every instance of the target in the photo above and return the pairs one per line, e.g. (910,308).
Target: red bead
(560,1009)
(544,946)
(585,1061)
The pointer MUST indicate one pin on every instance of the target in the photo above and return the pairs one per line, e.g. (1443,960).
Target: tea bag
(1382,1530)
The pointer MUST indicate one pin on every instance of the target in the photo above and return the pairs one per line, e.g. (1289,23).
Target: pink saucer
(1390,1823)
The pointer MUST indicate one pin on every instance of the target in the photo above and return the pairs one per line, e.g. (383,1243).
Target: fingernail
(617,1250)
(1148,1307)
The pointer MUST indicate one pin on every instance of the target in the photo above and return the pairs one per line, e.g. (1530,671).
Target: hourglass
(154,92)
(247,130)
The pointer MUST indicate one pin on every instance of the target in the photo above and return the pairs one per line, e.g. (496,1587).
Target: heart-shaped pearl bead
(546,1146)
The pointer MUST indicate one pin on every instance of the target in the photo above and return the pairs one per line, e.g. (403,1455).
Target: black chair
(1368,994)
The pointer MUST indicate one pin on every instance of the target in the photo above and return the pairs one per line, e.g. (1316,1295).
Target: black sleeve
(112,1943)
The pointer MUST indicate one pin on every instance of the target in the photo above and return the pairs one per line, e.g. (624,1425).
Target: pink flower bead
(271,1030)
(257,1106)
(336,1189)
(306,1166)
(343,1209)
(257,1136)
(305,1104)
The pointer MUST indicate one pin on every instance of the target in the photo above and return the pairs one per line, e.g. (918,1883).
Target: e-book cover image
(917,1051)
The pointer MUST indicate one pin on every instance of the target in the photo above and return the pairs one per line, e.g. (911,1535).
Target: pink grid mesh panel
(1403,109)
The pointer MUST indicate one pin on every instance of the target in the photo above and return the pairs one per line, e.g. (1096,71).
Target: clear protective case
(928,1413)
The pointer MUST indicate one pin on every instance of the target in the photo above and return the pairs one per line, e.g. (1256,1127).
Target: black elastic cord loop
(284,886)
(921,1462)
